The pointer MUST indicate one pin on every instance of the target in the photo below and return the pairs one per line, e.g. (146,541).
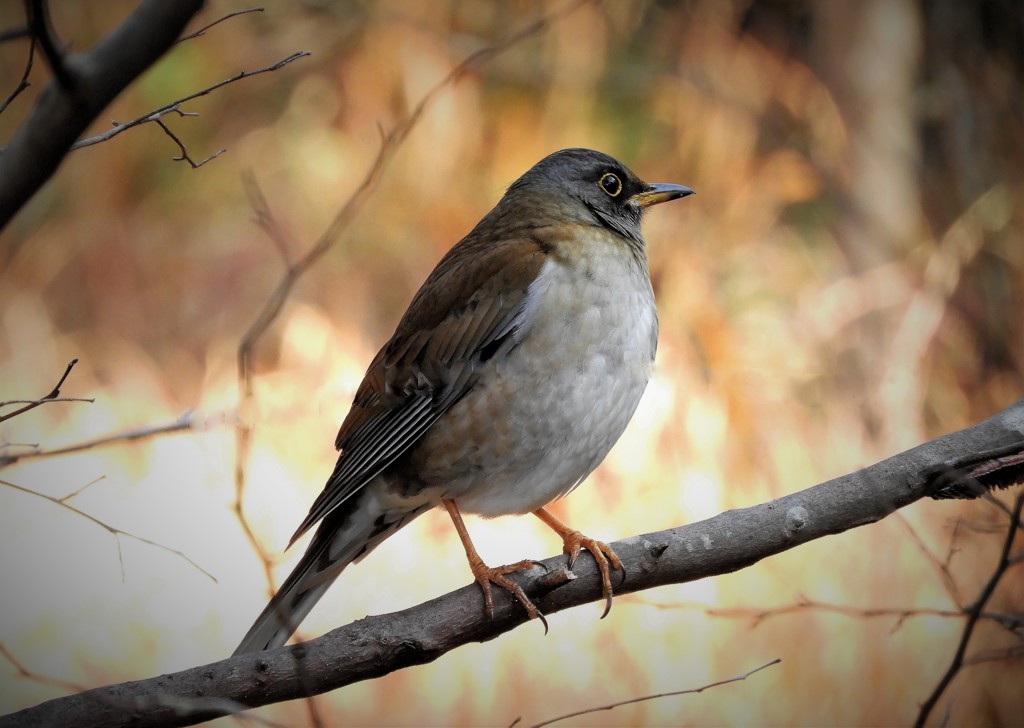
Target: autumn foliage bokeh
(847,283)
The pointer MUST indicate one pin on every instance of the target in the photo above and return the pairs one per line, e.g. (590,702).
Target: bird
(516,367)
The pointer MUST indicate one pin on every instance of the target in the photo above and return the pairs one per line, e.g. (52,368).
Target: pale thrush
(515,369)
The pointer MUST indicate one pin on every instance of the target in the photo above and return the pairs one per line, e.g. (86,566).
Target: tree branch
(687,691)
(202,31)
(115,532)
(759,615)
(53,396)
(379,645)
(24,83)
(184,422)
(174,107)
(93,78)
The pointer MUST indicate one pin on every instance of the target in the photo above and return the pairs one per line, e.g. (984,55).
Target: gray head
(605,191)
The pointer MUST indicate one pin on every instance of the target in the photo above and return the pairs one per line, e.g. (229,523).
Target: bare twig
(37,402)
(758,615)
(184,157)
(202,31)
(184,422)
(36,677)
(24,83)
(174,106)
(390,143)
(688,691)
(941,567)
(1007,653)
(954,540)
(973,615)
(116,532)
(1005,509)
(18,31)
(32,404)
(264,217)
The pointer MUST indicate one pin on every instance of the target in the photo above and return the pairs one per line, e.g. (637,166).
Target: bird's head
(593,187)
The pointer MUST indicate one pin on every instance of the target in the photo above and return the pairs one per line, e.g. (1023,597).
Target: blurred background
(846,284)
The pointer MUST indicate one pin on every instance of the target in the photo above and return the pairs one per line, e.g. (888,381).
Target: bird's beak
(658,192)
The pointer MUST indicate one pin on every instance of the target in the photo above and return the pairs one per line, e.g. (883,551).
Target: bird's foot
(575,541)
(486,575)
(604,556)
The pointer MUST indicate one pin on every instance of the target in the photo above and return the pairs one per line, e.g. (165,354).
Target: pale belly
(540,419)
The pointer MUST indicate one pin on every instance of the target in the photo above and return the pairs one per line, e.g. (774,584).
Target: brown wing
(473,305)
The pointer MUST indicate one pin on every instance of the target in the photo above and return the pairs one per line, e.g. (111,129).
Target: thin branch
(1005,509)
(689,691)
(202,31)
(18,31)
(954,540)
(116,532)
(973,615)
(184,422)
(265,218)
(1008,653)
(184,157)
(941,567)
(24,82)
(173,106)
(37,402)
(32,404)
(758,615)
(27,674)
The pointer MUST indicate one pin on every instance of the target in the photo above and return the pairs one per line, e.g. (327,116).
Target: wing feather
(460,313)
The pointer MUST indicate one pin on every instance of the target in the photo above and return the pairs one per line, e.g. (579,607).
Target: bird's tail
(977,473)
(347,534)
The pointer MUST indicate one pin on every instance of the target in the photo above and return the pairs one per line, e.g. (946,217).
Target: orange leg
(603,555)
(486,575)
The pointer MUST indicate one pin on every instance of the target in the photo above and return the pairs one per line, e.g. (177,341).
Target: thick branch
(63,111)
(382,644)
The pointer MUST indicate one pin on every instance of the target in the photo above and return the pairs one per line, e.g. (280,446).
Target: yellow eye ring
(611,184)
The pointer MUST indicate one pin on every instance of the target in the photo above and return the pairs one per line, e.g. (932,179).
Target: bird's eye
(610,184)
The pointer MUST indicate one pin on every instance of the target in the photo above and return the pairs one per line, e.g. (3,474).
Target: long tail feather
(346,535)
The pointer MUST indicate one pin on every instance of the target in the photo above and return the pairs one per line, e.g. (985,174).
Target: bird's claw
(604,556)
(487,575)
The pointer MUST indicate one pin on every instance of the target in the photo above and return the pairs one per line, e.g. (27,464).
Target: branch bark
(378,645)
(96,76)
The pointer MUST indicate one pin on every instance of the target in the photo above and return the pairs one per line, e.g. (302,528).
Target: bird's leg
(603,554)
(486,575)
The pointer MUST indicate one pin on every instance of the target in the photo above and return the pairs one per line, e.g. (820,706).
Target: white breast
(568,390)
